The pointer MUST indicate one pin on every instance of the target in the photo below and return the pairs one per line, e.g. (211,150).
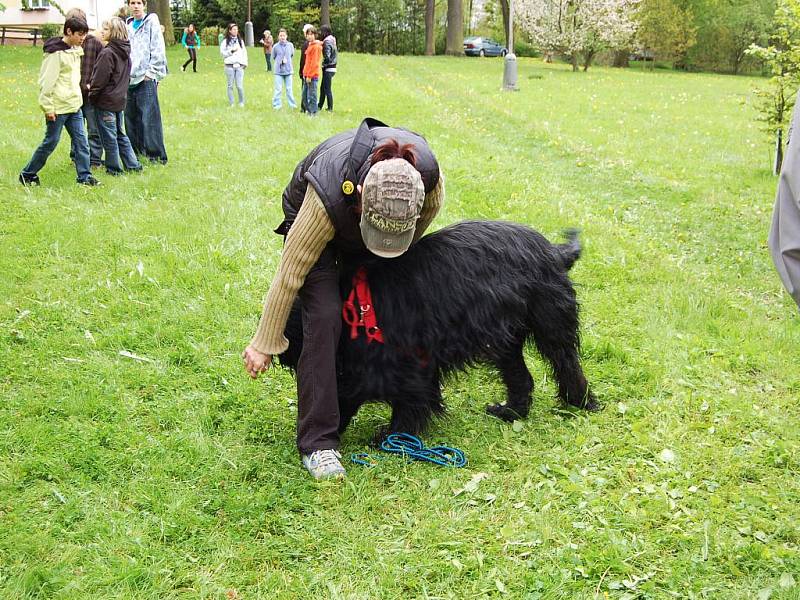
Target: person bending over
(375,188)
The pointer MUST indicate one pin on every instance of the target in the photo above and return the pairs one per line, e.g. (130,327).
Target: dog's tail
(571,250)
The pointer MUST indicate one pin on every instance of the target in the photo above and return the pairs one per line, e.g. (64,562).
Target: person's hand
(255,362)
(50,116)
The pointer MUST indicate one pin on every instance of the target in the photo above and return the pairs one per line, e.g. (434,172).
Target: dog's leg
(557,340)
(412,411)
(519,386)
(573,388)
(347,410)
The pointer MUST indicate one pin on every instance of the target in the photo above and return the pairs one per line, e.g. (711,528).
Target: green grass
(178,477)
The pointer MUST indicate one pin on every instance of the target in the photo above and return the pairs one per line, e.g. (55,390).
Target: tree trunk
(573,60)
(504,10)
(164,13)
(325,12)
(455,29)
(587,59)
(430,10)
(621,58)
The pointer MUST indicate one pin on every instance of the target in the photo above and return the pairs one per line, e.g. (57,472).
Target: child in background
(60,100)
(282,54)
(330,54)
(303,49)
(190,41)
(234,56)
(91,48)
(108,92)
(267,42)
(312,70)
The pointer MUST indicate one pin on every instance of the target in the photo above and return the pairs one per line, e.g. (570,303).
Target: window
(38,4)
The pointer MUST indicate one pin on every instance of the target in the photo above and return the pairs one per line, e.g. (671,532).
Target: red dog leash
(362,315)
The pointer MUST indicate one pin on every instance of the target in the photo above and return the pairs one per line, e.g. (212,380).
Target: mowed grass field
(172,475)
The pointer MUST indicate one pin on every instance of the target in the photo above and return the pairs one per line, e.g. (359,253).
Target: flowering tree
(782,57)
(578,28)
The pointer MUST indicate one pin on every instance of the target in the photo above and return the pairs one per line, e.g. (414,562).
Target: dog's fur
(474,292)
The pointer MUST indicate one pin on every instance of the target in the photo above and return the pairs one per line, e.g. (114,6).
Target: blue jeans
(237,76)
(311,96)
(74,125)
(93,133)
(143,121)
(116,143)
(283,81)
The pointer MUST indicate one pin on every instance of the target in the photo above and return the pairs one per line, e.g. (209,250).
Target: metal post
(510,63)
(249,39)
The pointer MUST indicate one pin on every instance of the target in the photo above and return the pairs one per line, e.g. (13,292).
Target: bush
(49,30)
(526,49)
(209,36)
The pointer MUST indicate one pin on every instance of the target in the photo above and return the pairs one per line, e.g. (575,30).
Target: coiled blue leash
(410,446)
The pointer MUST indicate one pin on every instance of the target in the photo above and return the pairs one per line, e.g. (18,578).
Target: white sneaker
(324,464)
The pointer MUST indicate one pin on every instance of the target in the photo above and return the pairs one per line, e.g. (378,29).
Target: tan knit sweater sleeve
(308,236)
(430,207)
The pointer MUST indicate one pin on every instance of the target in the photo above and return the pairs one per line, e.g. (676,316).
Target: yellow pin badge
(348,187)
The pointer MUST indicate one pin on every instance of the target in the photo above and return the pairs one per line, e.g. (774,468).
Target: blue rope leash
(411,447)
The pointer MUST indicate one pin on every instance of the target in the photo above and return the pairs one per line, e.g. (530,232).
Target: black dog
(474,292)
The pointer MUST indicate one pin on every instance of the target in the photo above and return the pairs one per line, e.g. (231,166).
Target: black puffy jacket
(338,165)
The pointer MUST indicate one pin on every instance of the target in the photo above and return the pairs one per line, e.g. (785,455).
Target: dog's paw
(381,433)
(501,411)
(588,403)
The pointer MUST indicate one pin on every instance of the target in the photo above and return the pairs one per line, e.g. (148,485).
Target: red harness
(362,314)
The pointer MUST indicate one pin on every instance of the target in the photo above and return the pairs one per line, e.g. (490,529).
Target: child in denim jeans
(234,56)
(60,99)
(312,70)
(108,92)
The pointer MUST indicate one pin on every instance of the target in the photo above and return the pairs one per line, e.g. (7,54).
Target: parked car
(641,55)
(481,46)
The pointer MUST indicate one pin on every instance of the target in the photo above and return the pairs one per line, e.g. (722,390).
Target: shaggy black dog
(474,292)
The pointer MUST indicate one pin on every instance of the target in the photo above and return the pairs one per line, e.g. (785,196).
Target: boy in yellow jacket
(60,99)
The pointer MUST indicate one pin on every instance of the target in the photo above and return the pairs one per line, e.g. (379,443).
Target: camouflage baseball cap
(391,202)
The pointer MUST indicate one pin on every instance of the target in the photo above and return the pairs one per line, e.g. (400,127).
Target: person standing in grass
(303,47)
(370,190)
(60,99)
(330,55)
(784,234)
(312,70)
(91,48)
(190,41)
(234,56)
(267,41)
(108,92)
(148,67)
(282,54)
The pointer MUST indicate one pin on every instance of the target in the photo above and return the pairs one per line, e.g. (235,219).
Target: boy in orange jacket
(312,70)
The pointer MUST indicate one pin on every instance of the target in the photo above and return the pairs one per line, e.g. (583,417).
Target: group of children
(90,79)
(318,60)
(66,81)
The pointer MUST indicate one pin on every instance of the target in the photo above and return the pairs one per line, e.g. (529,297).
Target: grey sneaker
(324,464)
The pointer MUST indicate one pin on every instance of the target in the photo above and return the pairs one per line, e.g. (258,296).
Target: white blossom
(573,27)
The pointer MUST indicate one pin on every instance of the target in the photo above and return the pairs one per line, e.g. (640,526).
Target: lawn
(137,460)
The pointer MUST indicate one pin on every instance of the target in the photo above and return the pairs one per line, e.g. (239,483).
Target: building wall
(96,12)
